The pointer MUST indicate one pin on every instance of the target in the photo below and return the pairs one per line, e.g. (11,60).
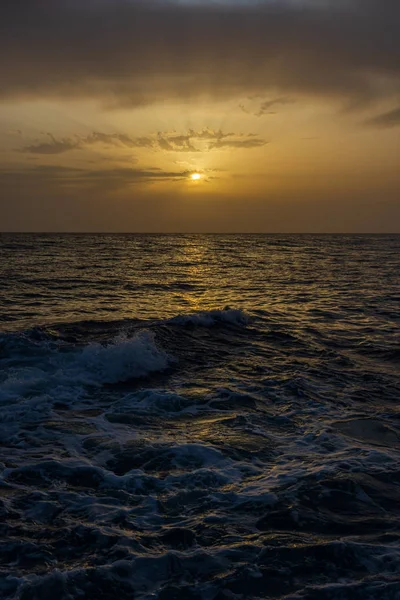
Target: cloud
(116,139)
(48,177)
(211,134)
(176,143)
(243,144)
(55,146)
(267,105)
(210,140)
(386,120)
(133,53)
(163,141)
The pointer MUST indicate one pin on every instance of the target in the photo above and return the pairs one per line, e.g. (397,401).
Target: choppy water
(156,444)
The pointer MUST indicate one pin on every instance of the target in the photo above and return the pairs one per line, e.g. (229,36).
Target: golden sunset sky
(288,110)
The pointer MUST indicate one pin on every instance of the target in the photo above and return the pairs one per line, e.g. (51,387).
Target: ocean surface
(199,417)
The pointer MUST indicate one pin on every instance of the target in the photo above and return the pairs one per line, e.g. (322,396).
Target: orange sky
(289,111)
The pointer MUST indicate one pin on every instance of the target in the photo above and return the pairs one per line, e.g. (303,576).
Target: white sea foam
(63,371)
(124,359)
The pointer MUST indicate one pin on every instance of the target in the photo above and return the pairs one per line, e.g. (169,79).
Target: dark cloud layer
(133,53)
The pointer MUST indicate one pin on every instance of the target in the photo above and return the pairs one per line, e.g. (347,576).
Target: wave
(38,366)
(64,360)
(124,359)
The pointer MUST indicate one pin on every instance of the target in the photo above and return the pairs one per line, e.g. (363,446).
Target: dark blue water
(191,417)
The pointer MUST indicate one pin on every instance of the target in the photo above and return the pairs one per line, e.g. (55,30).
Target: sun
(196,176)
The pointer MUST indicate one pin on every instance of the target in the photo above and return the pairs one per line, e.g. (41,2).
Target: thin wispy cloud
(386,120)
(175,143)
(191,141)
(267,106)
(207,140)
(242,144)
(52,145)
(46,176)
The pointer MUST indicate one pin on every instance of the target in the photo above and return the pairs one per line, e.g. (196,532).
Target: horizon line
(198,233)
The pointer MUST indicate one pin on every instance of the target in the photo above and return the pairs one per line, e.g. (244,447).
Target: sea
(199,417)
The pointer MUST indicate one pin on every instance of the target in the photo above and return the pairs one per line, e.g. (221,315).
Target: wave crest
(64,370)
(124,359)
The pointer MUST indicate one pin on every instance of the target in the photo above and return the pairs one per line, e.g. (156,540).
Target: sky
(189,116)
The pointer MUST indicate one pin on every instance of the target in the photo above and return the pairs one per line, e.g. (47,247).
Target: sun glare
(196,176)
